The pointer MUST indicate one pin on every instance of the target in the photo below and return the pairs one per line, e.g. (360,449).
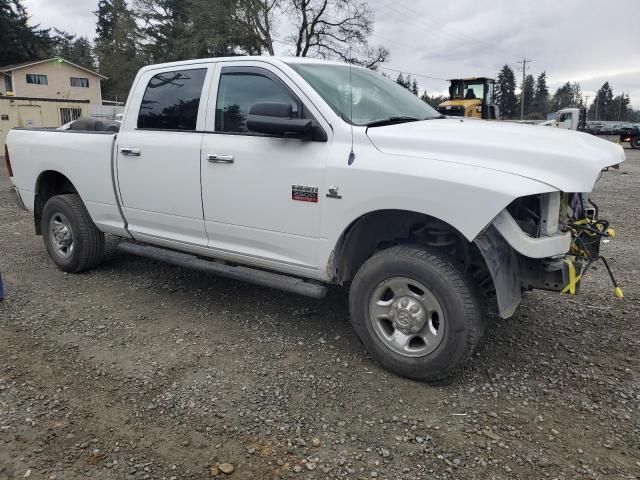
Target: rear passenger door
(158,149)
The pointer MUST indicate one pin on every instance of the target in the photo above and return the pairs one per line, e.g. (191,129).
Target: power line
(434,28)
(414,74)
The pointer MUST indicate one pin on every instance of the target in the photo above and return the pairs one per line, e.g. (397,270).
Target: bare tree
(335,28)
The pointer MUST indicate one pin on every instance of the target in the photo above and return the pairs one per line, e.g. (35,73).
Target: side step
(244,274)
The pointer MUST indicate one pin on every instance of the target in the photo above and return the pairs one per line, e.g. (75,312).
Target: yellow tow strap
(573,278)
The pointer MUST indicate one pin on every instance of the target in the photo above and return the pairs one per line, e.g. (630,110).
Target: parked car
(297,174)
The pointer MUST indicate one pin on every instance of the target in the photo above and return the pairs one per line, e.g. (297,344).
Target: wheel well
(50,183)
(382,229)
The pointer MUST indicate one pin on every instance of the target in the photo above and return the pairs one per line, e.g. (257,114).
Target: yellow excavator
(471,97)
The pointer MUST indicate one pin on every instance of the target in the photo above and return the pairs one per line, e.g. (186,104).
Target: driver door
(251,182)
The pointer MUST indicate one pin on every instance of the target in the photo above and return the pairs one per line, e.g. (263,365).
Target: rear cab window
(171,100)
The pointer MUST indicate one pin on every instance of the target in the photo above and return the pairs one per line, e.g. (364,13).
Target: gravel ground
(143,370)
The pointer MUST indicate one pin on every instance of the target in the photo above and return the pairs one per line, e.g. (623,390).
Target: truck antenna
(352,155)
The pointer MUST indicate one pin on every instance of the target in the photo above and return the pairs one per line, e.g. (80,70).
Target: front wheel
(416,313)
(72,240)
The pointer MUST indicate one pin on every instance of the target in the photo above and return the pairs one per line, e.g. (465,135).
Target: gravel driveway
(143,370)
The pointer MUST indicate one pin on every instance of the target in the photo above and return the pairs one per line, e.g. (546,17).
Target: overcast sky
(589,41)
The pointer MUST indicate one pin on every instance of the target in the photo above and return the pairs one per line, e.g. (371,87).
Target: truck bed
(84,157)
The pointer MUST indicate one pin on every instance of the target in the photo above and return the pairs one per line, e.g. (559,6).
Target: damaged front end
(547,242)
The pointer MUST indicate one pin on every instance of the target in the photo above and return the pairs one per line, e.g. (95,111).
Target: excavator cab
(471,97)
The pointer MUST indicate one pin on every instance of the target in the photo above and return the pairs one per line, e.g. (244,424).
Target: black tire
(635,142)
(457,298)
(88,241)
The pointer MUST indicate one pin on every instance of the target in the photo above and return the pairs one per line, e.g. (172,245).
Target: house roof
(17,66)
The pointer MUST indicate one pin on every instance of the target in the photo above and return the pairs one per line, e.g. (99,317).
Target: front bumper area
(18,198)
(514,273)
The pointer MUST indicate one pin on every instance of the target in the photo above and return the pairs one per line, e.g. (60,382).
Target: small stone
(310,466)
(555,432)
(226,468)
(492,436)
(27,474)
(374,474)
(315,442)
(214,471)
(300,442)
(385,453)
(297,468)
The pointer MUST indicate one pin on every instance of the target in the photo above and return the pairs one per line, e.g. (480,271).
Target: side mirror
(277,119)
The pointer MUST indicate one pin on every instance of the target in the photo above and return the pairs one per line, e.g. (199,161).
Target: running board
(244,274)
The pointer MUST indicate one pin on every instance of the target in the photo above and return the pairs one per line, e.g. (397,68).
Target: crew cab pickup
(297,174)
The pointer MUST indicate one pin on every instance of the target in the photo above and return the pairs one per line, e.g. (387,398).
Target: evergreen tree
(181,29)
(527,91)
(541,96)
(78,50)
(506,93)
(406,82)
(619,110)
(20,41)
(433,100)
(117,47)
(414,87)
(568,95)
(600,108)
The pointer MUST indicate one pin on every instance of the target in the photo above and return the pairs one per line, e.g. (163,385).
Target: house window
(36,79)
(79,82)
(8,84)
(5,116)
(69,115)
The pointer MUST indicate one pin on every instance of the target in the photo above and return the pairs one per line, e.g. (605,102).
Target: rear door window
(171,100)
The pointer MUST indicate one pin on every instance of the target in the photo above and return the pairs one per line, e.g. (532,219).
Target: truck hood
(566,160)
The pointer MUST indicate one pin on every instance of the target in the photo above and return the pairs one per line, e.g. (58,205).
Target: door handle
(130,152)
(220,158)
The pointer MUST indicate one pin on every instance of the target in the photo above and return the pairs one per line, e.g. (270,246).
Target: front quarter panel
(464,196)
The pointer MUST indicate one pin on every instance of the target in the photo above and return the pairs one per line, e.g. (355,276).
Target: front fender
(465,197)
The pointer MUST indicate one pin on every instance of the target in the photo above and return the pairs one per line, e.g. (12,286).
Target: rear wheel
(416,313)
(635,142)
(72,240)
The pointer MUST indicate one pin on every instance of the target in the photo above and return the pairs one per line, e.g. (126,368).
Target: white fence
(108,112)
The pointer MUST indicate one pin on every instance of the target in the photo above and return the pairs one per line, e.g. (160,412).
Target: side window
(239,91)
(35,79)
(171,100)
(564,117)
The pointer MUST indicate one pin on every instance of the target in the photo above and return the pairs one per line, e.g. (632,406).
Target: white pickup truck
(296,174)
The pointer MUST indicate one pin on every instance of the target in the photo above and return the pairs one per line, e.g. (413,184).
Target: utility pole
(524,73)
(620,106)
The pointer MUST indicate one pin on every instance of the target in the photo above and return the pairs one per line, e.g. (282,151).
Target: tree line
(130,34)
(538,102)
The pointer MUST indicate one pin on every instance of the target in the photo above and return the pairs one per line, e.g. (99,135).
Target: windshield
(467,90)
(375,98)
